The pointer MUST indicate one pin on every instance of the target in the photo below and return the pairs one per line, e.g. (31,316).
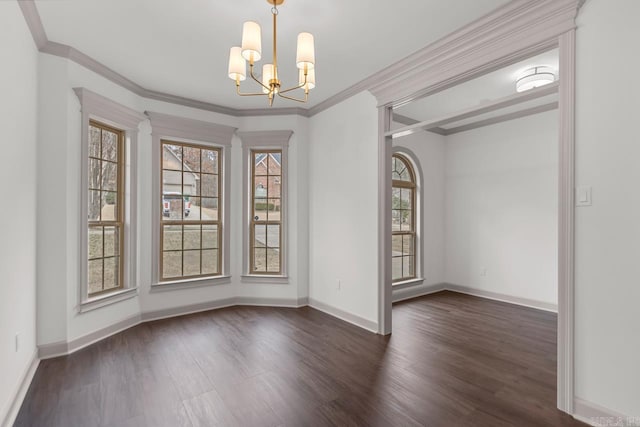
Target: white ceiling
(181,47)
(489,87)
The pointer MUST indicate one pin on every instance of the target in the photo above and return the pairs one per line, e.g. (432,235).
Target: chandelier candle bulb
(306,56)
(267,76)
(237,65)
(311,79)
(251,41)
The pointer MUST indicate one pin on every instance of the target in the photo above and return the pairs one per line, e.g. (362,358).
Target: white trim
(107,299)
(198,282)
(496,296)
(264,279)
(268,139)
(385,150)
(361,322)
(415,290)
(19,394)
(100,108)
(596,415)
(180,129)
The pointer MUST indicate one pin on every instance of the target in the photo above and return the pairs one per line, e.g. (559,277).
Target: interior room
(278,212)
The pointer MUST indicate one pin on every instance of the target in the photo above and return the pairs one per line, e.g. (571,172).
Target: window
(191,225)
(266,212)
(403,219)
(106,209)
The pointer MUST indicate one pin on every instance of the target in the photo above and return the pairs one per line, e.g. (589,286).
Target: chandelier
(251,51)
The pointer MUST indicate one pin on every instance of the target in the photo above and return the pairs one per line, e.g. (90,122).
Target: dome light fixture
(535,77)
(251,50)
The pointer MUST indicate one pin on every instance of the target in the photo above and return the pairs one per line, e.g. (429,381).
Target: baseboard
(273,302)
(184,310)
(596,415)
(343,315)
(540,305)
(415,291)
(13,409)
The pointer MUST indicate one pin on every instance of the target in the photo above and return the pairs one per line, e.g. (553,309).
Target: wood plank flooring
(453,360)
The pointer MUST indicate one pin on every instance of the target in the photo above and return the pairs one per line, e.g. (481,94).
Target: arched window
(403,219)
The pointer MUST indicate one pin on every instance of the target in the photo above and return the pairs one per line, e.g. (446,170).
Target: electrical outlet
(17,342)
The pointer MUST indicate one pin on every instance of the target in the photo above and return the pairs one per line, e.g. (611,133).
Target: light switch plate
(583,196)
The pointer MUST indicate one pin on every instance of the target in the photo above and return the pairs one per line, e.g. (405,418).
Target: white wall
(428,150)
(18,108)
(502,208)
(343,206)
(608,233)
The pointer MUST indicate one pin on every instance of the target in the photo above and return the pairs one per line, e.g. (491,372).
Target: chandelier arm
(306,97)
(293,88)
(258,81)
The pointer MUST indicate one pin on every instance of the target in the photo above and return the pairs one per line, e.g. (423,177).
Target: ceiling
(181,47)
(489,87)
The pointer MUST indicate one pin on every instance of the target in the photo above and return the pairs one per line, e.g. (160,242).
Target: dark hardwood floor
(453,360)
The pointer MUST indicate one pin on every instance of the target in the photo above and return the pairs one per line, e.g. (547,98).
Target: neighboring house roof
(263,156)
(175,156)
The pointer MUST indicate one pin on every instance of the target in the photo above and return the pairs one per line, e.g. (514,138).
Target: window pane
(171,182)
(407,244)
(396,217)
(210,262)
(273,236)
(209,209)
(274,163)
(209,185)
(209,161)
(109,146)
(274,187)
(191,208)
(259,236)
(260,163)
(172,206)
(109,206)
(190,186)
(273,260)
(209,236)
(95,170)
(396,245)
(260,260)
(95,276)
(171,157)
(111,273)
(260,189)
(171,264)
(273,207)
(191,263)
(260,210)
(191,158)
(172,237)
(396,268)
(93,213)
(95,242)
(408,266)
(191,237)
(95,149)
(109,176)
(395,198)
(110,241)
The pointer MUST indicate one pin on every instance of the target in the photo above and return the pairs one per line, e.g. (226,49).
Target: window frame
(94,107)
(209,136)
(264,141)
(415,217)
(183,222)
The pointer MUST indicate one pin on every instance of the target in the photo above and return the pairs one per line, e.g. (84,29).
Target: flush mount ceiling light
(251,51)
(535,77)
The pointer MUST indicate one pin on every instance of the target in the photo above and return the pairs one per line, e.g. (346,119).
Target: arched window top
(401,170)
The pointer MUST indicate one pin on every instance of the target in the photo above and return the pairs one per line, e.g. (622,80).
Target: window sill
(108,299)
(190,283)
(408,283)
(265,279)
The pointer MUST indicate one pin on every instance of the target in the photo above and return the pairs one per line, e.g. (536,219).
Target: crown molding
(265,138)
(454,55)
(519,29)
(166,125)
(98,106)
